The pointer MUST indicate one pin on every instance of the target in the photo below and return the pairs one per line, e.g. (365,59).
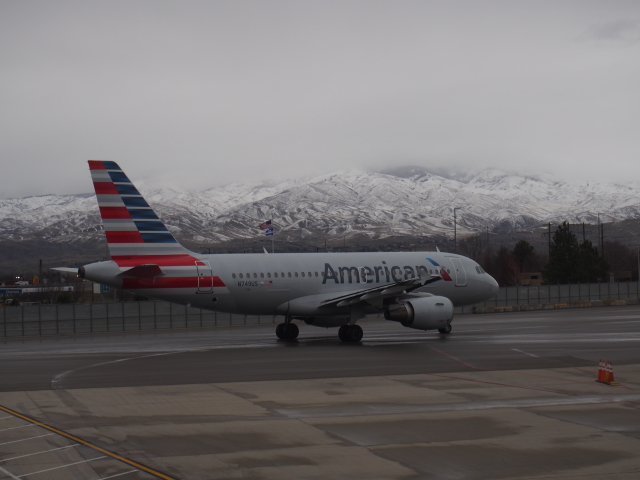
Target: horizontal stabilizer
(73,270)
(143,271)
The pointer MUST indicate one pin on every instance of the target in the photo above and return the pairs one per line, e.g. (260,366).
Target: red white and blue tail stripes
(130,224)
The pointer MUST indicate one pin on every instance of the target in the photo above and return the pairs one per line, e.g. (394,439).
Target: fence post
(73,315)
(40,320)
(139,317)
(186,316)
(91,316)
(4,317)
(200,318)
(22,318)
(122,303)
(155,322)
(170,316)
(57,320)
(106,306)
(215,318)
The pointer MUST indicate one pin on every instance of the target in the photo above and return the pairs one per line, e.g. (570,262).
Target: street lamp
(637,240)
(455,230)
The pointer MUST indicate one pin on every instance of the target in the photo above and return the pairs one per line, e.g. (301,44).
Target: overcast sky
(200,94)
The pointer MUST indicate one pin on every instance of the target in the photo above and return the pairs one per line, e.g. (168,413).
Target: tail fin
(131,226)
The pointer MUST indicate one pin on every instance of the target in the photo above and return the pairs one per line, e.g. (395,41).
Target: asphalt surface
(505,341)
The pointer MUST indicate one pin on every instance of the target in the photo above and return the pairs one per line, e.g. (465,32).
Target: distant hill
(404,202)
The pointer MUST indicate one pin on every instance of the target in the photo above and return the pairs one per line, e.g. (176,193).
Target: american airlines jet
(416,289)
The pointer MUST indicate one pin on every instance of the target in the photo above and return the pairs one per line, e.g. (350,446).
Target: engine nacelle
(424,313)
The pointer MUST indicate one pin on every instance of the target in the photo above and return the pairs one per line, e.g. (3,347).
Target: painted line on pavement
(79,440)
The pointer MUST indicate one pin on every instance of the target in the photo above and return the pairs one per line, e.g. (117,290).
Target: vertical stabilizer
(132,228)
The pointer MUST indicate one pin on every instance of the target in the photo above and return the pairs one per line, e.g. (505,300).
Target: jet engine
(423,313)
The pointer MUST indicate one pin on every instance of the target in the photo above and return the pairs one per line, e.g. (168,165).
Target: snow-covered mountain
(404,201)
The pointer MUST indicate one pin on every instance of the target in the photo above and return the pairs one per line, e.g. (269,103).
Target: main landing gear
(287,331)
(350,333)
(446,329)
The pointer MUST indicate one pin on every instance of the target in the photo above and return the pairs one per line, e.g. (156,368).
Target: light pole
(638,242)
(455,230)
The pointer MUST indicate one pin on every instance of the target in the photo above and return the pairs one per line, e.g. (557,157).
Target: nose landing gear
(350,333)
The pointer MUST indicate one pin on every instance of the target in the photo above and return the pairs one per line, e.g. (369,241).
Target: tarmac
(505,396)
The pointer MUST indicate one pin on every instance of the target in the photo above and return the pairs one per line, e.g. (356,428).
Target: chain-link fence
(546,294)
(113,317)
(18,321)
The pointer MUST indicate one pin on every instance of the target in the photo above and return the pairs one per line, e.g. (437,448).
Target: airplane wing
(376,294)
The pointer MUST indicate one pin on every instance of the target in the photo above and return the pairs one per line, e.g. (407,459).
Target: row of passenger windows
(301,274)
(276,274)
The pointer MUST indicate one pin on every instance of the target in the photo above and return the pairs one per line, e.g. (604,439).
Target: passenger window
(261,275)
(248,275)
(282,274)
(316,274)
(269,275)
(322,274)
(240,275)
(309,273)
(233,275)
(255,275)
(295,274)
(275,274)
(302,273)
(289,274)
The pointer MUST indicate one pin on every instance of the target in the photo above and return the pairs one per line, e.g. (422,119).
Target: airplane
(416,289)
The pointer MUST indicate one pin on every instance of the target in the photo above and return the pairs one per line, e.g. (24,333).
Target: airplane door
(205,277)
(458,269)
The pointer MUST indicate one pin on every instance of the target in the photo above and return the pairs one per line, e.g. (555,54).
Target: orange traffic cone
(611,381)
(605,373)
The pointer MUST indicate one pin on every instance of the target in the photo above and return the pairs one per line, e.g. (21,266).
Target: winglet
(265,250)
(437,249)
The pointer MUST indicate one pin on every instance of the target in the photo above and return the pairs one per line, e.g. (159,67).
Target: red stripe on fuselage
(124,237)
(96,165)
(167,282)
(114,212)
(183,260)
(105,188)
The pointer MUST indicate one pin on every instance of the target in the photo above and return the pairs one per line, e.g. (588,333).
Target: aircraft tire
(291,331)
(280,331)
(355,333)
(342,333)
(446,329)
(350,333)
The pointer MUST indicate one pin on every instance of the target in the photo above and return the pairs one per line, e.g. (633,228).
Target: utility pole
(549,240)
(455,230)
(584,238)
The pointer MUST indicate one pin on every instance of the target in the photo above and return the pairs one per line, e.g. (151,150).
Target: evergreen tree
(593,267)
(523,252)
(564,257)
(571,262)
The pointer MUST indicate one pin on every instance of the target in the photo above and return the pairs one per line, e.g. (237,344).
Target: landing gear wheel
(287,331)
(291,331)
(446,329)
(350,333)
(342,333)
(356,333)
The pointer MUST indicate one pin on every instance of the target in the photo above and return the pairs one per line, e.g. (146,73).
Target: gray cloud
(625,30)
(197,94)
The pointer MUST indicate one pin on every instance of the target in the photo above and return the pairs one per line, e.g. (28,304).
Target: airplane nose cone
(493,285)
